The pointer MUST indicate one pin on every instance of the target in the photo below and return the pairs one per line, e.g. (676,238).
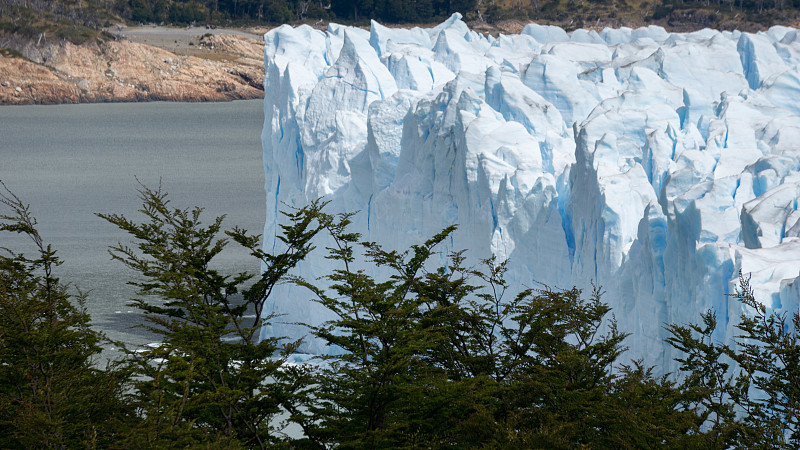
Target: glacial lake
(72,161)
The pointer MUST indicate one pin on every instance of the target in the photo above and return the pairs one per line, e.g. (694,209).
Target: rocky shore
(146,63)
(150,63)
(134,65)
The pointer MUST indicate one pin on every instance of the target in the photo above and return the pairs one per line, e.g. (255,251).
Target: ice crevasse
(657,165)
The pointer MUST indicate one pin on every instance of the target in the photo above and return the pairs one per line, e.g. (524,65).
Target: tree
(211,381)
(769,354)
(711,383)
(381,389)
(423,355)
(51,392)
(749,393)
(448,357)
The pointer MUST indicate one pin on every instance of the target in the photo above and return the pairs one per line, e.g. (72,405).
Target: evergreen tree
(769,355)
(749,393)
(211,381)
(448,357)
(710,383)
(52,395)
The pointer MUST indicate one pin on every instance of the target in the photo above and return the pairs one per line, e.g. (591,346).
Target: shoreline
(155,63)
(140,64)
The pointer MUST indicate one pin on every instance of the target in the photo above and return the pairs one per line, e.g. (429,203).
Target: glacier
(657,165)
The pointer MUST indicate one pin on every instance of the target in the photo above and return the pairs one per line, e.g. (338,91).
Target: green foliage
(211,381)
(769,354)
(759,377)
(76,34)
(216,11)
(446,356)
(51,394)
(11,53)
(395,11)
(449,358)
(74,21)
(714,387)
(81,21)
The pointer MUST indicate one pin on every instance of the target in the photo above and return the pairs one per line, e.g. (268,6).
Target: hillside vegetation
(81,20)
(427,357)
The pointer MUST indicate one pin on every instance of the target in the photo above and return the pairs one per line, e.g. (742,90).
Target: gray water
(72,161)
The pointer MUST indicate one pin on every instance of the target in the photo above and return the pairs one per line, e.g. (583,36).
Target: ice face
(657,165)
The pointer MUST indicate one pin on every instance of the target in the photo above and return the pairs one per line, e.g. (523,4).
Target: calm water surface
(72,161)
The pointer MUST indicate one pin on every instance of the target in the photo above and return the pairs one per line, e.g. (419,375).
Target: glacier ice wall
(656,164)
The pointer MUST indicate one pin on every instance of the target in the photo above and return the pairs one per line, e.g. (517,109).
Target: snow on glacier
(657,165)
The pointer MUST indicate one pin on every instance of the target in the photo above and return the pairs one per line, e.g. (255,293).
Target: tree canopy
(422,354)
